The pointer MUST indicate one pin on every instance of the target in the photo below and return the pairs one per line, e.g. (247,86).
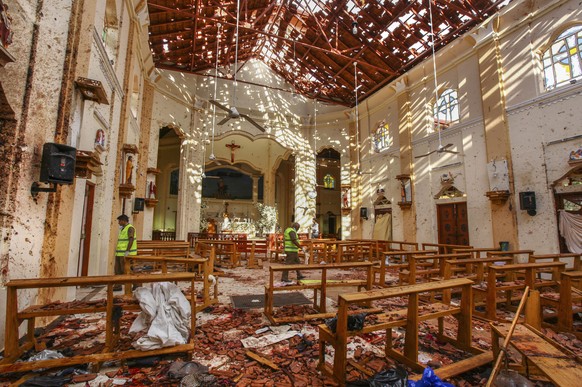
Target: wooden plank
(460,367)
(396,291)
(95,358)
(262,360)
(31,283)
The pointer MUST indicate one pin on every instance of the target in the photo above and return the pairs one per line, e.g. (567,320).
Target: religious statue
(226,223)
(128,169)
(100,139)
(346,198)
(152,190)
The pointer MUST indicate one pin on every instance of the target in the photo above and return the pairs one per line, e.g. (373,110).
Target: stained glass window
(328,181)
(562,62)
(382,139)
(446,109)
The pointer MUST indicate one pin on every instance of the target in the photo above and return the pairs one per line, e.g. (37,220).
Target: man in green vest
(126,245)
(292,247)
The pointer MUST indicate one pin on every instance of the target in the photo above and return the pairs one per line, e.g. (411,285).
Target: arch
(561,59)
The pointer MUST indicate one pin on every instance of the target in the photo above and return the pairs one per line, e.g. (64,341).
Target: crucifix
(232,147)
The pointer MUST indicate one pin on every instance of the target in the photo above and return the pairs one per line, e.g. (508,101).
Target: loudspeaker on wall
(58,164)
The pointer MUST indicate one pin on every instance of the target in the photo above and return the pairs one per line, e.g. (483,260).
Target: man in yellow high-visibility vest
(126,245)
(292,247)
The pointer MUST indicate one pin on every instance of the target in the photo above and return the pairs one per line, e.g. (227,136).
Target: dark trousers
(291,258)
(119,267)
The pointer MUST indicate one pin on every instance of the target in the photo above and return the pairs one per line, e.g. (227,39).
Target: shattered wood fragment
(262,360)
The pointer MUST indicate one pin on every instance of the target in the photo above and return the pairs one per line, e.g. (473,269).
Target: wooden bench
(509,274)
(555,362)
(519,256)
(226,252)
(319,286)
(15,317)
(252,249)
(408,318)
(443,248)
(427,267)
(394,261)
(204,267)
(567,257)
(570,292)
(480,252)
(165,248)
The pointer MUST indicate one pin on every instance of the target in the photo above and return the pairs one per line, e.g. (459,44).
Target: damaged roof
(312,44)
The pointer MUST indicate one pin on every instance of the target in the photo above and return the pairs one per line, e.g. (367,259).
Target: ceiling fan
(233,112)
(441,148)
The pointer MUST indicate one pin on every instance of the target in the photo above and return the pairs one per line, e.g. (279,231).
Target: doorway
(87,221)
(453,225)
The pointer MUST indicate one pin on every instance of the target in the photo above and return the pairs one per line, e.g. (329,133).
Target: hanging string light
(434,68)
(357,116)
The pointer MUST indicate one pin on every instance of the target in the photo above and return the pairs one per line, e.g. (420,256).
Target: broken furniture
(562,367)
(504,278)
(408,318)
(394,261)
(317,285)
(15,317)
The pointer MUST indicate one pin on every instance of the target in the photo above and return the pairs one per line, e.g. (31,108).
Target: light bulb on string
(355,27)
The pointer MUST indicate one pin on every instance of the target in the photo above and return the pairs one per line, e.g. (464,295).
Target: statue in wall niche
(152,190)
(346,198)
(576,155)
(100,139)
(128,169)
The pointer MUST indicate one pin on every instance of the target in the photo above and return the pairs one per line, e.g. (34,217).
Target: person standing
(292,247)
(314,229)
(126,245)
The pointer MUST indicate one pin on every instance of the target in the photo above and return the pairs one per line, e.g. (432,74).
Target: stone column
(503,216)
(190,193)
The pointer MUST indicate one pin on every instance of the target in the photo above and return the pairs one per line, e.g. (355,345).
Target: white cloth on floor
(165,314)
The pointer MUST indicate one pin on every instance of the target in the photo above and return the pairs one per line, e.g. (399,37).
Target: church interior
(291,192)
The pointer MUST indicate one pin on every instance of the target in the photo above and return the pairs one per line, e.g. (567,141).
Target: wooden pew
(394,261)
(166,248)
(204,267)
(409,318)
(15,317)
(567,257)
(519,256)
(226,252)
(509,272)
(427,266)
(443,248)
(402,245)
(561,366)
(570,292)
(320,286)
(480,252)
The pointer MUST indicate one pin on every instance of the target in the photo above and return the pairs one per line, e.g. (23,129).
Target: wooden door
(453,226)
(85,243)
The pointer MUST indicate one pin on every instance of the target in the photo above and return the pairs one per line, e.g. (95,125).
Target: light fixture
(355,27)
(312,194)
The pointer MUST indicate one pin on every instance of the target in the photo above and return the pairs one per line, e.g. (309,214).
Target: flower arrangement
(267,218)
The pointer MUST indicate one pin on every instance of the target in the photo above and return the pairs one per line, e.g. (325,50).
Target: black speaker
(527,202)
(58,164)
(364,213)
(138,204)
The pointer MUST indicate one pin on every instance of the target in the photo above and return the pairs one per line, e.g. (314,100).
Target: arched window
(382,139)
(446,109)
(562,61)
(328,181)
